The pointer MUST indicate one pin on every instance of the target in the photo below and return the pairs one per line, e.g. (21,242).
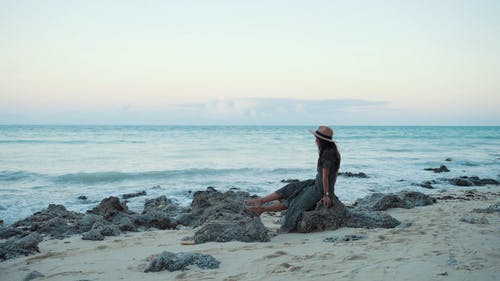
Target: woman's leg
(259,201)
(258,210)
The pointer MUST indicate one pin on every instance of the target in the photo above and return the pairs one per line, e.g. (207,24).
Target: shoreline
(443,241)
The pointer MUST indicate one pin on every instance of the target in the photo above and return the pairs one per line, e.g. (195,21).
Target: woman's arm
(326,196)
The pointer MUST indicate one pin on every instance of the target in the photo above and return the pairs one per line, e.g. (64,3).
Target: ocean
(40,165)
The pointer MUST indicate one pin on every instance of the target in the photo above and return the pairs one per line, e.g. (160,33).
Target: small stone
(181,261)
(33,275)
(82,197)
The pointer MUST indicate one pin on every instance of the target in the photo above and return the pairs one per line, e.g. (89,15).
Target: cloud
(256,111)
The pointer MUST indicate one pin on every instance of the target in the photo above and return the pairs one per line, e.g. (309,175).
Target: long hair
(324,145)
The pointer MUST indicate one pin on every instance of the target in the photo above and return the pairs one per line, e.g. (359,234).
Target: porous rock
(181,261)
(135,194)
(353,175)
(15,246)
(382,202)
(54,221)
(441,169)
(338,215)
(109,208)
(472,181)
(224,217)
(225,227)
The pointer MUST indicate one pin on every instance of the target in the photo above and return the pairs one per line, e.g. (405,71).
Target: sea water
(40,165)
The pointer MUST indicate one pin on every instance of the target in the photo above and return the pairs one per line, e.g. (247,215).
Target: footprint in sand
(235,277)
(276,254)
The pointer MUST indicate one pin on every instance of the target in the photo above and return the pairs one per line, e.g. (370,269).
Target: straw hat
(324,133)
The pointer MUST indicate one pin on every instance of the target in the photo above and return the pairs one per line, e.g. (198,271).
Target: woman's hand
(326,201)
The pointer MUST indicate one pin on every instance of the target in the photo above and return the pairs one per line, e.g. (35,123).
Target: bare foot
(253,202)
(257,210)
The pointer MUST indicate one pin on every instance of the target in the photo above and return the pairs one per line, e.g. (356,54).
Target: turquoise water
(56,164)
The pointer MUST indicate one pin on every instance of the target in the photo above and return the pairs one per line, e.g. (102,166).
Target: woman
(301,196)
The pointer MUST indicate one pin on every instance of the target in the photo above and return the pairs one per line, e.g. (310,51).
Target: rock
(82,197)
(449,159)
(460,182)
(427,184)
(353,175)
(8,232)
(338,215)
(225,227)
(344,238)
(323,218)
(126,224)
(135,194)
(417,199)
(110,230)
(93,234)
(494,208)
(289,180)
(109,208)
(14,246)
(86,222)
(472,181)
(181,261)
(441,169)
(101,229)
(157,219)
(224,217)
(211,202)
(163,204)
(382,202)
(33,275)
(370,219)
(55,221)
(160,213)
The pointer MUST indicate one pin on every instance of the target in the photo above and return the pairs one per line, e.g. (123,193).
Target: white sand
(437,246)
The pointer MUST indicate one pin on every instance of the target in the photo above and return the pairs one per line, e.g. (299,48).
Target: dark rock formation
(109,208)
(472,181)
(441,169)
(382,202)
(181,261)
(225,227)
(160,213)
(15,246)
(338,215)
(353,175)
(224,218)
(289,180)
(135,194)
(417,199)
(82,197)
(427,184)
(323,218)
(370,219)
(55,221)
(366,213)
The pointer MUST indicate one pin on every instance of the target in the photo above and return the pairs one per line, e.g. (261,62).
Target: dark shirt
(329,159)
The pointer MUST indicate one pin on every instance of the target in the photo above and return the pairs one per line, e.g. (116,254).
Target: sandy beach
(444,241)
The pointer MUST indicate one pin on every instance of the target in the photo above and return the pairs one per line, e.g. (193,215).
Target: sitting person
(301,196)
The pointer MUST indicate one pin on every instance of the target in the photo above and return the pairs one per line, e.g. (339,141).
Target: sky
(250,62)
